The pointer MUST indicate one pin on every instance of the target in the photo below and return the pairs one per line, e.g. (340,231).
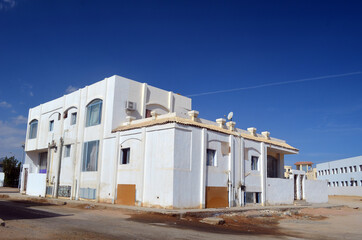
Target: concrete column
(298,186)
(231,183)
(143,166)
(203,167)
(115,171)
(242,170)
(263,169)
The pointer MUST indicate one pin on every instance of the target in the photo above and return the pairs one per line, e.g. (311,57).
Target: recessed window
(341,169)
(90,156)
(355,168)
(94,113)
(67,151)
(33,129)
(43,157)
(126,152)
(254,163)
(51,126)
(73,118)
(211,157)
(350,169)
(360,168)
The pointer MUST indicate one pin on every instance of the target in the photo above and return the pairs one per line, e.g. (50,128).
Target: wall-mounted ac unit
(131,106)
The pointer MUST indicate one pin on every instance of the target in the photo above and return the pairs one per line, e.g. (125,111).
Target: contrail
(275,84)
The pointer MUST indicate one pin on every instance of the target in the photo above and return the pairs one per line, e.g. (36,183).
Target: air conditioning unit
(131,106)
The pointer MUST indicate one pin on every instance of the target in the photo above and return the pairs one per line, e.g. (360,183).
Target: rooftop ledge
(201,123)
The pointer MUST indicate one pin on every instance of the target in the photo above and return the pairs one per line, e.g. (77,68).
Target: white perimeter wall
(36,184)
(279,191)
(2,176)
(315,191)
(346,191)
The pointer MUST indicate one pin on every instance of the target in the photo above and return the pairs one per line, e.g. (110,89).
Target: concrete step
(301,203)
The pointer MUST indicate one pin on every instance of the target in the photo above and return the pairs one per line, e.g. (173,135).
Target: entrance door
(272,167)
(25,178)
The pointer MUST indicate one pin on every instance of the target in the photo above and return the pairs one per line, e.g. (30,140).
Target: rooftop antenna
(230,116)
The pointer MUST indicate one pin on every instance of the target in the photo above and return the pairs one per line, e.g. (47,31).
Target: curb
(172,212)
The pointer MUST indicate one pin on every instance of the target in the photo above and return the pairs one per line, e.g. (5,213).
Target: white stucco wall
(279,191)
(315,191)
(36,184)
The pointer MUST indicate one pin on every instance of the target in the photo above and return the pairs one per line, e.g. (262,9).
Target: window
(342,183)
(254,163)
(333,171)
(94,113)
(148,113)
(51,126)
(345,169)
(33,129)
(355,168)
(360,168)
(350,169)
(336,170)
(211,157)
(90,156)
(125,155)
(346,183)
(73,118)
(67,151)
(341,169)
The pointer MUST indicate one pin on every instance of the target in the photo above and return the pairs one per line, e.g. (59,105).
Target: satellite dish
(230,116)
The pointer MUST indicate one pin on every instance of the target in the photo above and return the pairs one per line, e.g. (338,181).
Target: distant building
(344,176)
(287,171)
(307,167)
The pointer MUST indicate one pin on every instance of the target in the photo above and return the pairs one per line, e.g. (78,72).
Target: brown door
(25,178)
(126,194)
(216,197)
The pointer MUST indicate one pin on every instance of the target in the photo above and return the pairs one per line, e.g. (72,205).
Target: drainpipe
(59,166)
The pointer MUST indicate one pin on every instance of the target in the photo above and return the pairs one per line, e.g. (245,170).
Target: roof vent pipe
(231,125)
(154,114)
(252,131)
(193,114)
(129,119)
(221,122)
(266,134)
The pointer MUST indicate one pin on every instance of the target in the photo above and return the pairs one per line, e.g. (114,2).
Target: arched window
(33,129)
(94,113)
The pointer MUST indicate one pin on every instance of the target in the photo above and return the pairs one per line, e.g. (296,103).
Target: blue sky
(50,47)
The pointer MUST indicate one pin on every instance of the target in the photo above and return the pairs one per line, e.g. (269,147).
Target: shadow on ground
(14,210)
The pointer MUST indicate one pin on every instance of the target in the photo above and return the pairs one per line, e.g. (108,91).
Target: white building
(120,141)
(344,176)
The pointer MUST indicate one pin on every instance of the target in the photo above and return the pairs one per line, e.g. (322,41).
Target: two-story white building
(120,141)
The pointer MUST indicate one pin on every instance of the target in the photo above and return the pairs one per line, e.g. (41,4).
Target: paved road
(29,220)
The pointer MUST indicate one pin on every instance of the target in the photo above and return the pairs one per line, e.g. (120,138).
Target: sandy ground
(29,220)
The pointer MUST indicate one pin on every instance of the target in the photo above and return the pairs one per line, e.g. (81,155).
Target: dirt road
(28,220)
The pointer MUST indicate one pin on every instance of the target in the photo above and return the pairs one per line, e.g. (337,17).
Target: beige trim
(196,123)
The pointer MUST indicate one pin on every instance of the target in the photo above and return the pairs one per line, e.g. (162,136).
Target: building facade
(344,176)
(120,141)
